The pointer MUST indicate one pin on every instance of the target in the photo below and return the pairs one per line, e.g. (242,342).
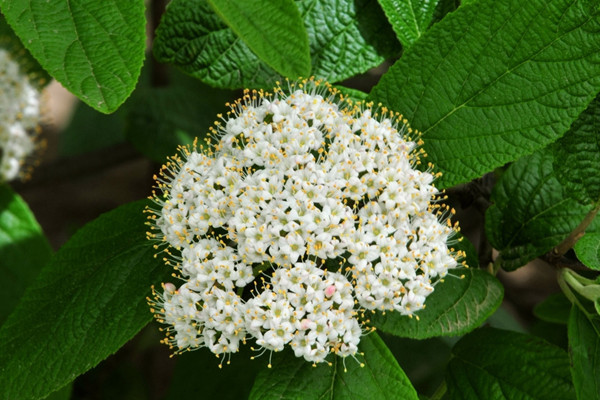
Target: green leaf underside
(584,351)
(577,155)
(532,212)
(496,80)
(496,364)
(295,378)
(556,309)
(160,119)
(455,307)
(409,18)
(93,295)
(345,39)
(274,31)
(588,250)
(95,49)
(23,249)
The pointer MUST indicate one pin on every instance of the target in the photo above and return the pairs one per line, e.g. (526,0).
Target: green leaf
(455,307)
(84,305)
(345,38)
(160,119)
(24,249)
(577,155)
(409,18)
(496,364)
(487,84)
(94,48)
(532,212)
(584,351)
(556,309)
(274,31)
(201,369)
(588,250)
(294,378)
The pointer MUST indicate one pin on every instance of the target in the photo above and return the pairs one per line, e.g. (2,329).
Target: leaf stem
(439,392)
(576,234)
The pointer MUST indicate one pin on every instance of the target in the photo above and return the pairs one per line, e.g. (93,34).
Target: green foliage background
(501,87)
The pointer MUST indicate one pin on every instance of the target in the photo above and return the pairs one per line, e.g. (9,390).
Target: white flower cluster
(305,213)
(19,117)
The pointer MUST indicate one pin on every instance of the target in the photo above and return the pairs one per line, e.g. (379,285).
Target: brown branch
(576,234)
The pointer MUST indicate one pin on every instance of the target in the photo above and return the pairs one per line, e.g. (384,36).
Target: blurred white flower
(306,211)
(19,117)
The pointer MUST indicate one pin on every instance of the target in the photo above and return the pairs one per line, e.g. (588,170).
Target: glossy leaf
(455,307)
(588,250)
(274,31)
(294,378)
(345,38)
(496,364)
(24,249)
(487,84)
(532,211)
(409,18)
(84,305)
(584,351)
(94,49)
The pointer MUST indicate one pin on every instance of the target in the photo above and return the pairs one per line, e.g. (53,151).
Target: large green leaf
(496,364)
(584,350)
(94,48)
(455,307)
(532,212)
(409,18)
(577,155)
(588,250)
(294,378)
(23,249)
(496,80)
(345,38)
(84,305)
(274,31)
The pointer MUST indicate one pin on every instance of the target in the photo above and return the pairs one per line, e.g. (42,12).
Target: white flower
(19,117)
(302,214)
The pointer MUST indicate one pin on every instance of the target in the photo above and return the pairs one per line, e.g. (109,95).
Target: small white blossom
(305,213)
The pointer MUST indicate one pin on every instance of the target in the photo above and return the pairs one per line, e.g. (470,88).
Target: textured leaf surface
(94,48)
(274,31)
(160,119)
(496,364)
(23,249)
(532,212)
(577,155)
(496,80)
(455,307)
(409,18)
(556,309)
(295,378)
(84,305)
(345,38)
(584,351)
(588,250)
